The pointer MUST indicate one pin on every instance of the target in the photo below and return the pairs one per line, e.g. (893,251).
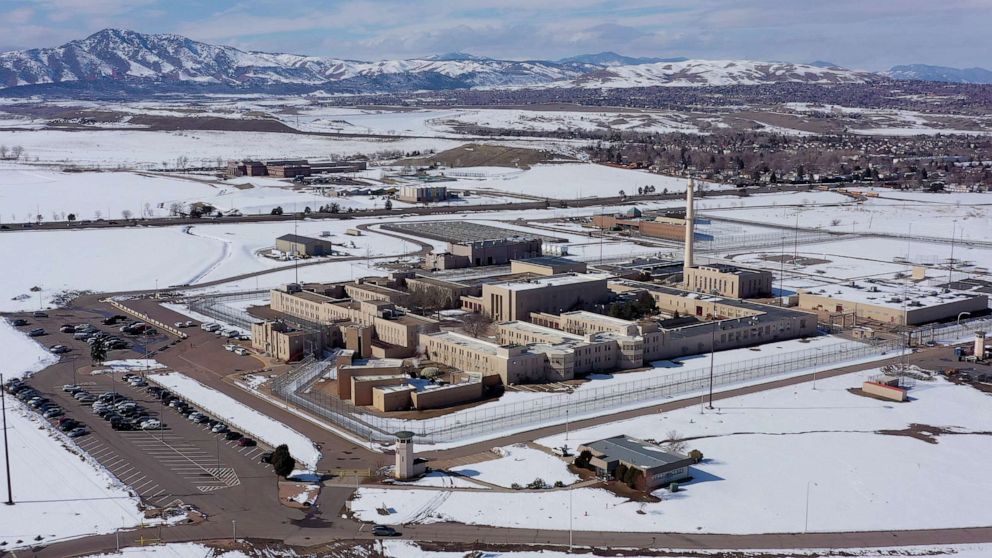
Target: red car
(246,442)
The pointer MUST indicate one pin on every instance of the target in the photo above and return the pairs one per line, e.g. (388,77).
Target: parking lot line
(138,487)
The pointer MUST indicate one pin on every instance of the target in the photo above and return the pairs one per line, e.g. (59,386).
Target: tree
(674,442)
(175,209)
(696,455)
(276,210)
(3,151)
(71,217)
(476,324)
(630,476)
(388,205)
(582,461)
(126,214)
(335,207)
(282,462)
(620,473)
(98,352)
(16,152)
(307,210)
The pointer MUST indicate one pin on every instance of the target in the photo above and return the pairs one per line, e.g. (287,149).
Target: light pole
(570,519)
(234,529)
(962,314)
(806,523)
(6,449)
(712,358)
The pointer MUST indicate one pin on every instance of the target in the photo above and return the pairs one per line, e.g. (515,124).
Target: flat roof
(375,363)
(601,318)
(461,232)
(359,379)
(466,341)
(390,389)
(889,295)
(295,238)
(547,331)
(555,281)
(763,311)
(636,452)
(548,261)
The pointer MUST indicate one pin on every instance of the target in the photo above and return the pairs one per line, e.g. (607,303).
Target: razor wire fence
(542,410)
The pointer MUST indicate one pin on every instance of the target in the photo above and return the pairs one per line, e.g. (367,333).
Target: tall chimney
(690,230)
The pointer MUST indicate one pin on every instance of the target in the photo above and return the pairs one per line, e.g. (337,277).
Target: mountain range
(115,59)
(941,73)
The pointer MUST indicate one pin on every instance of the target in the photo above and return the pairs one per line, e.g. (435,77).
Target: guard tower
(980,345)
(404,455)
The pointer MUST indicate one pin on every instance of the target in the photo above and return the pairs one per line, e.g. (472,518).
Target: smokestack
(690,230)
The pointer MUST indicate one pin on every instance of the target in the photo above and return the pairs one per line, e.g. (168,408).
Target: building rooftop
(599,318)
(889,295)
(375,363)
(556,280)
(636,452)
(391,389)
(302,239)
(360,379)
(548,261)
(466,341)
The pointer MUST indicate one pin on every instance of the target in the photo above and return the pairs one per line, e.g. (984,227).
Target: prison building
(421,193)
(547,265)
(893,304)
(729,280)
(517,299)
(483,252)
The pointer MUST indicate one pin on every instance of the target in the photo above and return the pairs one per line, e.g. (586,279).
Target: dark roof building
(656,467)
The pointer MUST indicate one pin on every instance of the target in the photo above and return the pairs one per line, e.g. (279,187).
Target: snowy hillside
(715,72)
(120,54)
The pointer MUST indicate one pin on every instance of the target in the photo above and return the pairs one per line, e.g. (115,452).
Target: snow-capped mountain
(716,72)
(126,55)
(114,58)
(941,73)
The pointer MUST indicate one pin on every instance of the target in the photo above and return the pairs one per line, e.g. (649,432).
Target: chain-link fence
(950,333)
(542,410)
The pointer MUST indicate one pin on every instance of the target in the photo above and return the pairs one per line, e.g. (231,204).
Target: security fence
(492,419)
(214,306)
(949,333)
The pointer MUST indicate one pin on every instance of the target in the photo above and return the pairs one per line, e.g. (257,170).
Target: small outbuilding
(654,466)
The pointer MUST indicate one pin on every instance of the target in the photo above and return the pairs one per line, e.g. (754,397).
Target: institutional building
(729,280)
(421,193)
(304,245)
(893,304)
(483,252)
(517,299)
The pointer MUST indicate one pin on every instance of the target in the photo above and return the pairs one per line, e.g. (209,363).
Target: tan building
(366,291)
(375,328)
(372,367)
(547,265)
(484,252)
(891,303)
(420,193)
(392,398)
(513,364)
(282,341)
(728,280)
(361,386)
(515,300)
(304,246)
(447,294)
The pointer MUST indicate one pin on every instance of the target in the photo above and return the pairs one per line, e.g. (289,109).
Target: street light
(234,529)
(962,314)
(712,357)
(6,450)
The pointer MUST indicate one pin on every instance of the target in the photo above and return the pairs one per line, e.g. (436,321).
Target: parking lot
(182,462)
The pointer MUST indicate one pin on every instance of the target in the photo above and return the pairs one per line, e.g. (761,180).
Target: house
(655,467)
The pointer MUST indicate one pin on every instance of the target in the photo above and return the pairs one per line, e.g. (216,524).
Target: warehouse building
(304,245)
(421,193)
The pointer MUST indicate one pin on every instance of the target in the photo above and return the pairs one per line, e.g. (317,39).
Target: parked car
(241,351)
(87,399)
(68,329)
(219,428)
(58,349)
(77,432)
(200,419)
(71,388)
(150,424)
(188,323)
(266,457)
(247,443)
(384,531)
(231,435)
(18,322)
(230,347)
(40,314)
(69,424)
(37,332)
(80,394)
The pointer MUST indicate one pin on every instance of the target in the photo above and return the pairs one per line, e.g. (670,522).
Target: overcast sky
(860,34)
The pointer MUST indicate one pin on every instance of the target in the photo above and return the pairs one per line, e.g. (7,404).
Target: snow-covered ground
(565,181)
(175,550)
(86,499)
(765,453)
(519,465)
(240,416)
(147,149)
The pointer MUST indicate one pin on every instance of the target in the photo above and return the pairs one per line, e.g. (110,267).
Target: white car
(230,347)
(151,424)
(241,351)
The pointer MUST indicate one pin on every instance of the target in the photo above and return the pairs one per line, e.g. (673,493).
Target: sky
(859,34)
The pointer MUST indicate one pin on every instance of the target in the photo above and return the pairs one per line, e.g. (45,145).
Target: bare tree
(16,152)
(175,209)
(3,151)
(126,214)
(148,209)
(674,442)
(98,213)
(476,324)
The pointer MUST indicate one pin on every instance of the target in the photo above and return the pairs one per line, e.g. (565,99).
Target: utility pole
(950,263)
(712,358)
(6,448)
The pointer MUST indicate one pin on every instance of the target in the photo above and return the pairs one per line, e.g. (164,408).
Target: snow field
(764,451)
(520,465)
(241,416)
(21,355)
